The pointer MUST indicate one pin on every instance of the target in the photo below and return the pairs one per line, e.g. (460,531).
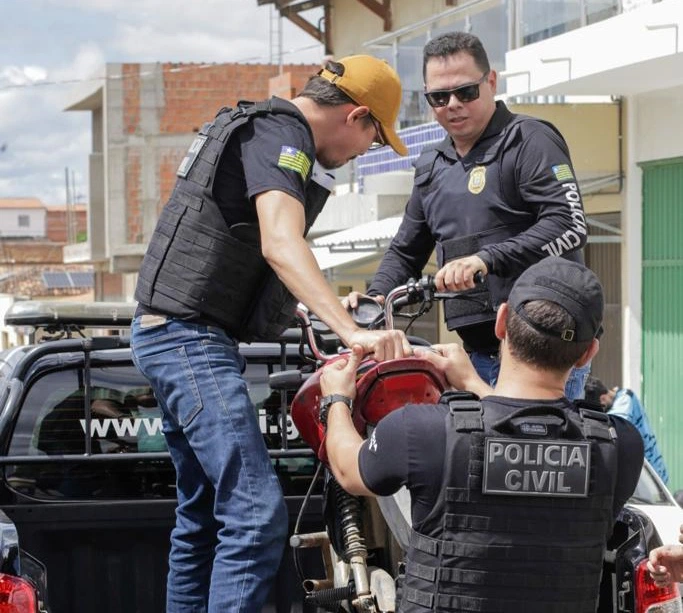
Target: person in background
(513,497)
(498,194)
(625,403)
(666,563)
(228,261)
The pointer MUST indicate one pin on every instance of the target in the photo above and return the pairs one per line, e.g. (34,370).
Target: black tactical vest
(199,267)
(523,517)
(483,219)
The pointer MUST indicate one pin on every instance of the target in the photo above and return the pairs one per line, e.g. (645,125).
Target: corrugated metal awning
(328,259)
(370,236)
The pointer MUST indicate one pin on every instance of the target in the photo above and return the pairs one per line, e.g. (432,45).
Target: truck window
(124,418)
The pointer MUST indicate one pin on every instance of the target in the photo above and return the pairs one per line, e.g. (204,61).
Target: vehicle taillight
(16,595)
(653,599)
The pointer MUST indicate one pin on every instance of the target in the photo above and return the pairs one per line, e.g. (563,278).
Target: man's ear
(589,354)
(501,321)
(358,112)
(493,81)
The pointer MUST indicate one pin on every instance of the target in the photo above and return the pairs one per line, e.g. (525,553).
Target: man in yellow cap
(227,262)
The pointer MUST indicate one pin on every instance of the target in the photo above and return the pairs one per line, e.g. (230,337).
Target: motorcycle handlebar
(403,295)
(416,291)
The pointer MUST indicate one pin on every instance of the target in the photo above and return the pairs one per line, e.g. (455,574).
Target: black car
(87,489)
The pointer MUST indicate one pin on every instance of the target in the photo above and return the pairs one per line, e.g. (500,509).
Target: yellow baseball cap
(371,82)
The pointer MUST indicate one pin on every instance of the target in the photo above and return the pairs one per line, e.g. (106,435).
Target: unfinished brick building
(144,117)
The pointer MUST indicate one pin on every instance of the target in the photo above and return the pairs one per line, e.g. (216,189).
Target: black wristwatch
(326,401)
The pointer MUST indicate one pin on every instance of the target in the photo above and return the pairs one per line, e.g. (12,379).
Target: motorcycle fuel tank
(382,387)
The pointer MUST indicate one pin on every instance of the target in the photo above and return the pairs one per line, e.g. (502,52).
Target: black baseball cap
(570,285)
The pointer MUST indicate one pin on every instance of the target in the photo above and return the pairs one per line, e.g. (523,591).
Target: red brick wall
(30,252)
(192,95)
(131,97)
(56,223)
(168,165)
(111,286)
(133,188)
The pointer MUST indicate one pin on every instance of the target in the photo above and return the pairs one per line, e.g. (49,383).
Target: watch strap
(327,401)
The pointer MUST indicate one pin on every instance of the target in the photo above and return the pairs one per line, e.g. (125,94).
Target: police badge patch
(477,181)
(523,467)
(191,156)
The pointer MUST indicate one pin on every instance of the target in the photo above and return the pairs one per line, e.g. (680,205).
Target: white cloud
(44,74)
(21,75)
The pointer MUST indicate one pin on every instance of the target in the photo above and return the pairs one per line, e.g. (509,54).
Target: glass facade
(501,27)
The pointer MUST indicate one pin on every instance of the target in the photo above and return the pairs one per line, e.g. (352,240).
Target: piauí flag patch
(562,172)
(294,159)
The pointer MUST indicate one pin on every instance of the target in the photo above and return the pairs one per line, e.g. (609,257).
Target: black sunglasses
(465,93)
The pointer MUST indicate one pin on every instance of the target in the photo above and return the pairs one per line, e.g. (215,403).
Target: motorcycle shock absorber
(355,549)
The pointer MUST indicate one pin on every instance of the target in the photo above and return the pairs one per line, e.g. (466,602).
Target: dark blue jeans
(231,519)
(488,368)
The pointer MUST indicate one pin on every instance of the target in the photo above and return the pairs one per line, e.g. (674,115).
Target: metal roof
(331,259)
(370,236)
(21,203)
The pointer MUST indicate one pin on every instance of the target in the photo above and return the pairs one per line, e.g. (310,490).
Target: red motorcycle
(365,538)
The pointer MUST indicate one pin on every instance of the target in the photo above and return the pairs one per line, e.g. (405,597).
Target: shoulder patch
(294,159)
(562,172)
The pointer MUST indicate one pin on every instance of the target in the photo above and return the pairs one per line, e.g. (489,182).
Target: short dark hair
(452,43)
(593,389)
(324,93)
(543,350)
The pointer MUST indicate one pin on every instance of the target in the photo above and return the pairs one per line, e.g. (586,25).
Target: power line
(176,69)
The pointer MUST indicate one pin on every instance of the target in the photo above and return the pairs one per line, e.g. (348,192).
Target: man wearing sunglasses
(495,196)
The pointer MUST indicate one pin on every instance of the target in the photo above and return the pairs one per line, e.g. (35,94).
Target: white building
(22,218)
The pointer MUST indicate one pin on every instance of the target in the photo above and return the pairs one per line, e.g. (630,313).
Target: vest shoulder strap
(228,119)
(465,410)
(596,424)
(263,107)
(424,165)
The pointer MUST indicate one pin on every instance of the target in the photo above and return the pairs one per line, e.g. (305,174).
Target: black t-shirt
(408,448)
(271,152)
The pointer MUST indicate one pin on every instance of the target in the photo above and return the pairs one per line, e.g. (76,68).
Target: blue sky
(50,51)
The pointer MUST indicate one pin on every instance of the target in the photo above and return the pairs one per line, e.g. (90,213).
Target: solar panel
(82,279)
(56,280)
(61,280)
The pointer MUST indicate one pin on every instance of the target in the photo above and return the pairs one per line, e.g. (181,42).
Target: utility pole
(275,41)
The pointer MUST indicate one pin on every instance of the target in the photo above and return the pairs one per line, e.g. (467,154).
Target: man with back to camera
(513,497)
(496,195)
(228,262)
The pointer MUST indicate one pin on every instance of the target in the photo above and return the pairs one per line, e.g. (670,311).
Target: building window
(24,221)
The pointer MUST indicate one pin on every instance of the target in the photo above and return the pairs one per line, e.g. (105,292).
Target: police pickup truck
(87,489)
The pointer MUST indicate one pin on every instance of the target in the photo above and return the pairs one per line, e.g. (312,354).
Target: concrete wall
(659,129)
(353,24)
(22,222)
(593,135)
